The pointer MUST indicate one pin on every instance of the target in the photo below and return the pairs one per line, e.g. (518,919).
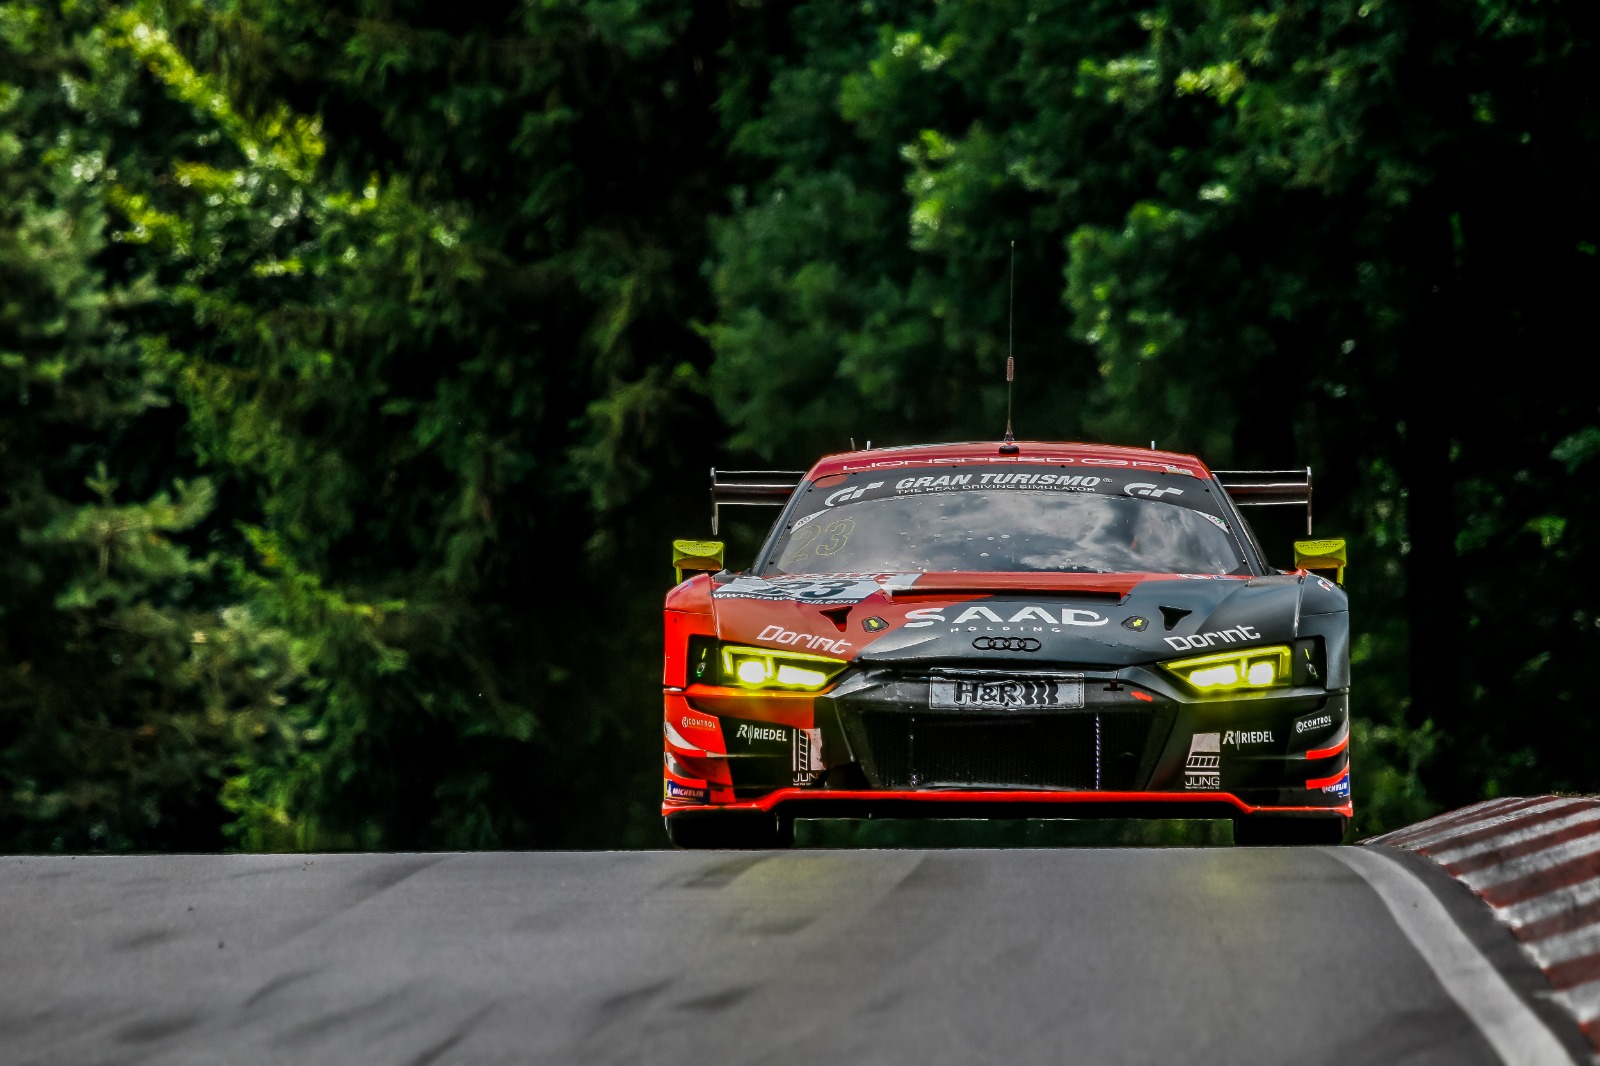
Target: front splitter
(1000,803)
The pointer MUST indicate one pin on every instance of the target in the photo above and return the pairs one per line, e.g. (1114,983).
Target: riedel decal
(845,495)
(1239,737)
(1144,488)
(1217,636)
(779,635)
(762,732)
(1044,616)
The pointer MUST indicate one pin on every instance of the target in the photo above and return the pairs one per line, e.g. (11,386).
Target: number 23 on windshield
(821,539)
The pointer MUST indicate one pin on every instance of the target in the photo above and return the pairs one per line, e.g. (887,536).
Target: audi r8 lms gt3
(1012,630)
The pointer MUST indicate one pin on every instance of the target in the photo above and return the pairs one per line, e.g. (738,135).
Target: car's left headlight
(749,667)
(1246,670)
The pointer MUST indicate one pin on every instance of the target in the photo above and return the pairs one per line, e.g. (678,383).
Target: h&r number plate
(1006,694)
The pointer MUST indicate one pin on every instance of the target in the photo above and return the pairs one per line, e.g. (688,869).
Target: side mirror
(1321,555)
(695,556)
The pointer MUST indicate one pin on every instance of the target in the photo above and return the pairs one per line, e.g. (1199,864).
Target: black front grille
(1084,750)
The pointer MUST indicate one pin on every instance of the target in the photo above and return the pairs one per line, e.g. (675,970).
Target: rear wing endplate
(751,488)
(1269,488)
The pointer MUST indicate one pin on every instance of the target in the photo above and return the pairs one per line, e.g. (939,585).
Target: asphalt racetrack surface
(1073,955)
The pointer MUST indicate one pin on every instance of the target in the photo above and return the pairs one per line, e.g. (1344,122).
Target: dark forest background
(359,361)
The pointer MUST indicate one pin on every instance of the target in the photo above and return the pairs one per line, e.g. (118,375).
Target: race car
(1007,630)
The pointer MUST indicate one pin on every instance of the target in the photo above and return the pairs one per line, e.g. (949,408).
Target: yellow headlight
(801,676)
(764,668)
(1213,676)
(1235,671)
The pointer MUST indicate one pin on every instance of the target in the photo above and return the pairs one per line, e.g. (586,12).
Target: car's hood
(1040,619)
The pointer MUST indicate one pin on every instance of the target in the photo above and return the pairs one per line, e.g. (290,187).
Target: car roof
(1063,452)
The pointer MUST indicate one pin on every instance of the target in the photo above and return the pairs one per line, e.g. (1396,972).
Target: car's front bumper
(1134,749)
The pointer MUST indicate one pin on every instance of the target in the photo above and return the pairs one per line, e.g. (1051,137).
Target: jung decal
(1203,770)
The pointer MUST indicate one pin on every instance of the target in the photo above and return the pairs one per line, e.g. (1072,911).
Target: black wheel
(1267,831)
(734,830)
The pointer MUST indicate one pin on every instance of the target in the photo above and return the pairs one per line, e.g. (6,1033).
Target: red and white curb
(1536,862)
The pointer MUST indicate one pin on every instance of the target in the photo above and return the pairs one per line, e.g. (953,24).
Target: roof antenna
(1009,447)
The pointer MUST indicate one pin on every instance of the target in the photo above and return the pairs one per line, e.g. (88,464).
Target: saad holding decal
(1062,616)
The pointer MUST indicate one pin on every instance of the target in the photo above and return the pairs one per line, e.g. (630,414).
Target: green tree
(437,278)
(129,684)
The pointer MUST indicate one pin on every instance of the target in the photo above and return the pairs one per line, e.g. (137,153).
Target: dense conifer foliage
(358,360)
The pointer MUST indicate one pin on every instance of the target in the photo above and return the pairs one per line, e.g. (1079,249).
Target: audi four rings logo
(1006,644)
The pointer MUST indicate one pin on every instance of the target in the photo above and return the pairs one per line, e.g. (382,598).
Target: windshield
(1034,520)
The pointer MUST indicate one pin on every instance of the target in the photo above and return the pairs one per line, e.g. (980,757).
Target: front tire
(738,830)
(1267,831)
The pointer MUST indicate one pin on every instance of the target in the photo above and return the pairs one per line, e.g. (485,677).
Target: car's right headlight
(1233,672)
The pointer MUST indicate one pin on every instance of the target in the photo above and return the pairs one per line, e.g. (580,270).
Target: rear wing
(1269,488)
(772,488)
(751,488)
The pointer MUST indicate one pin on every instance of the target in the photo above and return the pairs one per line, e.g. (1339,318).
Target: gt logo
(1006,644)
(845,495)
(1144,488)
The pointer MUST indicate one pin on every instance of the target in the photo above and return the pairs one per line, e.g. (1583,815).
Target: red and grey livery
(1022,630)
